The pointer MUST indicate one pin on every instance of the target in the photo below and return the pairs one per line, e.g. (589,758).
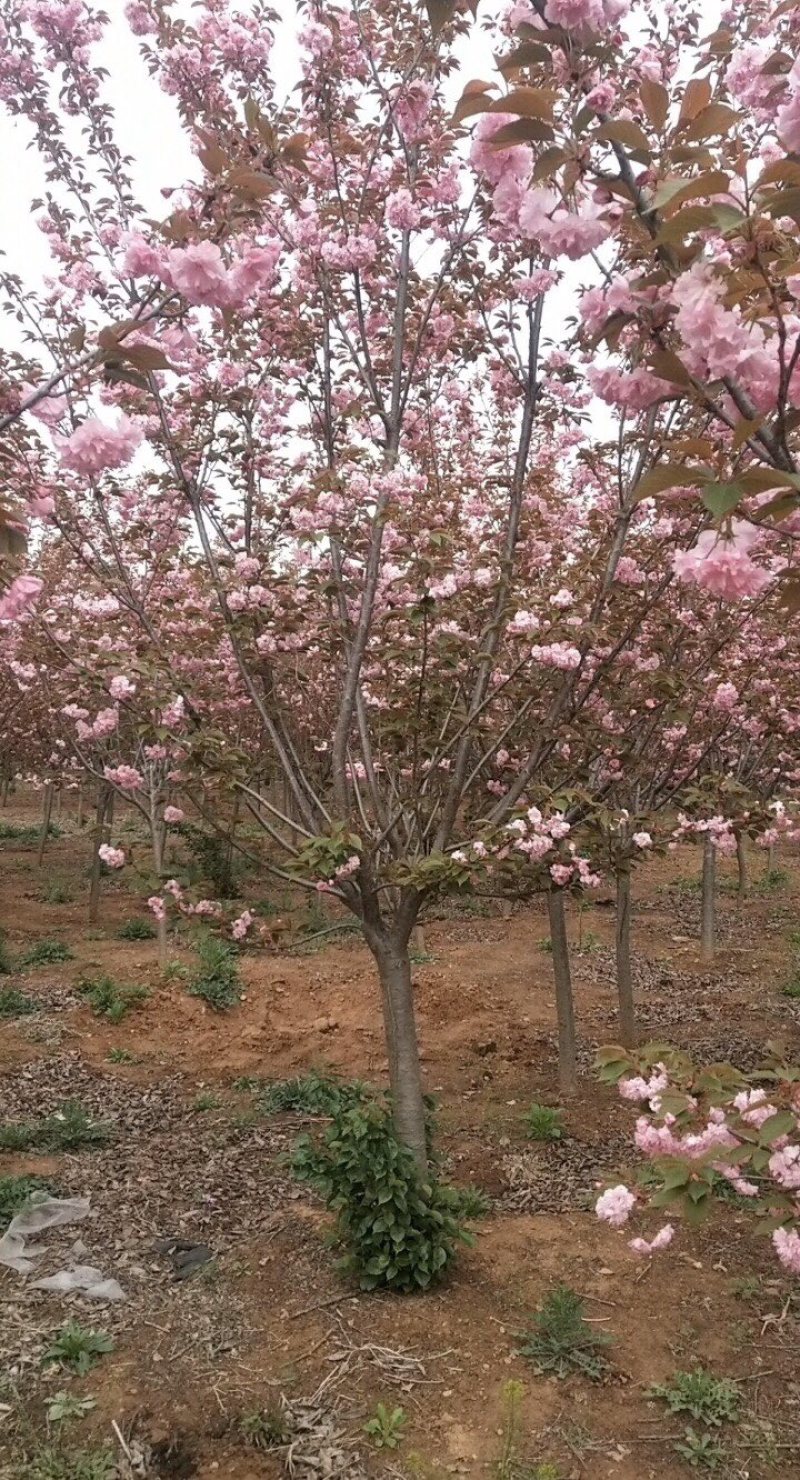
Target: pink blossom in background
(174,814)
(586,15)
(240,927)
(158,907)
(112,857)
(105,723)
(615,1205)
(560,873)
(642,840)
(20,597)
(121,687)
(51,409)
(556,655)
(96,447)
(788,119)
(402,211)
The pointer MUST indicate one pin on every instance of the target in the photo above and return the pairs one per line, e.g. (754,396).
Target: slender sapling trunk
(47,812)
(708,902)
(627,1015)
(741,859)
(565,1010)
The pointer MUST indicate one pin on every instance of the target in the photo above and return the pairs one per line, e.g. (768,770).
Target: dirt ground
(192,1156)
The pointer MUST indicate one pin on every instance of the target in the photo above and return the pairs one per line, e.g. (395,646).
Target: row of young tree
(423,489)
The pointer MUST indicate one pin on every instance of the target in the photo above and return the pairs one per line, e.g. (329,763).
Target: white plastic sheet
(41,1213)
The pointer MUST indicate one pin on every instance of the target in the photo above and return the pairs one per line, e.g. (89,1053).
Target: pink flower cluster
(200,273)
(242,924)
(615,1205)
(586,15)
(121,687)
(556,655)
(558,231)
(112,857)
(174,815)
(702,1138)
(721,563)
(127,778)
(105,723)
(96,447)
(19,598)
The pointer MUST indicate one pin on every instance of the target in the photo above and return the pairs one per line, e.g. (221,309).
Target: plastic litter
(85,1278)
(16,1252)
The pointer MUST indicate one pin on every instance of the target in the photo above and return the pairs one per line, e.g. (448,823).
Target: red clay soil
(270,1315)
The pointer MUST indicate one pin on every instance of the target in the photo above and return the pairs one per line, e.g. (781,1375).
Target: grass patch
(15,1192)
(52,1463)
(562,1342)
(545,1123)
(46,953)
(10,833)
(136,929)
(68,1129)
(77,1348)
(110,1000)
(14,1003)
(707,1399)
(56,892)
(264,1430)
(312,1094)
(217,981)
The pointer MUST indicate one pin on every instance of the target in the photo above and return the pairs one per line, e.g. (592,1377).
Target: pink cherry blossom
(615,1205)
(112,857)
(662,1240)
(199,273)
(95,446)
(786,1243)
(20,597)
(402,211)
(558,231)
(174,815)
(721,563)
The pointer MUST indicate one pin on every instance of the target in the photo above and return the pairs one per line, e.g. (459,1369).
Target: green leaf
(721,498)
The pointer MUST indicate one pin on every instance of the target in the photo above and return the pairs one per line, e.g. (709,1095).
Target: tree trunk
(770,858)
(47,812)
(79,816)
(565,1011)
(402,1045)
(6,785)
(60,804)
(418,940)
(105,803)
(627,1015)
(741,859)
(157,837)
(708,923)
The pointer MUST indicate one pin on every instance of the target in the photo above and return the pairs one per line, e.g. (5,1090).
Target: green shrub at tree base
(401,1232)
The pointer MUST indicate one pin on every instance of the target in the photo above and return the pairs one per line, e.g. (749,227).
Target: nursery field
(239,1349)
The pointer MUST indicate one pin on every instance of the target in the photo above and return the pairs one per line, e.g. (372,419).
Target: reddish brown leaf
(655,101)
(526,102)
(696,97)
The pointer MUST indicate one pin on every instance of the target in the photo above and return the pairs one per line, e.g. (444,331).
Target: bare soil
(192,1156)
